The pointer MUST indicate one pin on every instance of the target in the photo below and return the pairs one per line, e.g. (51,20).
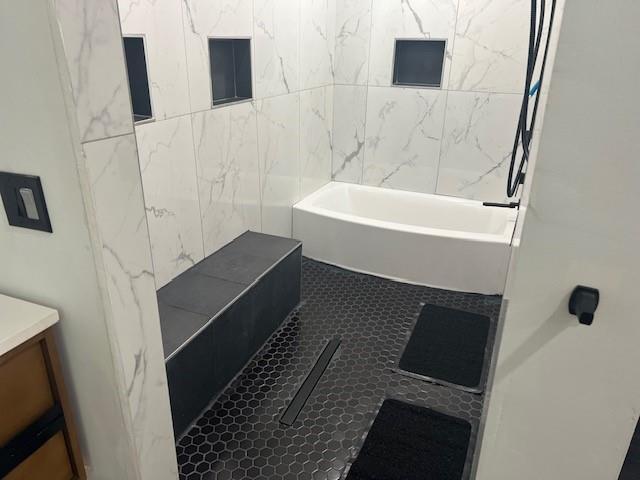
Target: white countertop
(20,321)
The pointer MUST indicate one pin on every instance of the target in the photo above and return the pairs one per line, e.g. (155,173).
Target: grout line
(446,101)
(366,101)
(255,119)
(193,137)
(248,286)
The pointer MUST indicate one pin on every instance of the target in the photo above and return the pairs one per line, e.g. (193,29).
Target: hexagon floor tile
(240,437)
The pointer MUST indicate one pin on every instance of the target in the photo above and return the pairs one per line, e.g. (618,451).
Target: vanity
(38,438)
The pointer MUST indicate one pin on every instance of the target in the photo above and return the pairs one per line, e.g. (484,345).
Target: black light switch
(24,201)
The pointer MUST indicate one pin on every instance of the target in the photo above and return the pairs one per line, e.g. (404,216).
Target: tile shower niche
(230,69)
(419,63)
(134,51)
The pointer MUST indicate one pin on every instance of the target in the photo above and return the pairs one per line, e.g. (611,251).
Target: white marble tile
(116,189)
(353,33)
(349,114)
(316,118)
(411,19)
(278,147)
(275,47)
(316,49)
(168,167)
(477,143)
(93,46)
(228,183)
(161,25)
(404,128)
(490,51)
(210,18)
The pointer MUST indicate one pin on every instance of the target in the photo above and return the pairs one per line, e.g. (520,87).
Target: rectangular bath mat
(448,346)
(408,442)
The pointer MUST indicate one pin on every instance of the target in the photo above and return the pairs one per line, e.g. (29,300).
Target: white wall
(58,269)
(566,398)
(452,141)
(209,174)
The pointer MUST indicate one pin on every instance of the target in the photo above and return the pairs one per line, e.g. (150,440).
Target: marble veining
(278,152)
(168,167)
(477,144)
(203,19)
(160,24)
(276,47)
(316,43)
(349,110)
(353,32)
(228,184)
(394,19)
(404,127)
(490,51)
(93,48)
(316,117)
(116,189)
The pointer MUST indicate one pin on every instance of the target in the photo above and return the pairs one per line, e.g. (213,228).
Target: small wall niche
(134,52)
(230,60)
(419,63)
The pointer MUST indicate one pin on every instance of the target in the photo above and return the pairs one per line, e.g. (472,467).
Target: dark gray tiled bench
(215,316)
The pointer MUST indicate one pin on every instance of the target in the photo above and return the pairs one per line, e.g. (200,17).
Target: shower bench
(215,316)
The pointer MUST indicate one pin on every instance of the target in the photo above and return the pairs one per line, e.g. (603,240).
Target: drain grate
(300,399)
(240,435)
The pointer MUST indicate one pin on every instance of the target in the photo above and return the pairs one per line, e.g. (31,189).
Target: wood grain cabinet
(38,439)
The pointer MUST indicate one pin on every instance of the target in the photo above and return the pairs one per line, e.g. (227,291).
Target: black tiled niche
(134,52)
(216,316)
(419,62)
(230,69)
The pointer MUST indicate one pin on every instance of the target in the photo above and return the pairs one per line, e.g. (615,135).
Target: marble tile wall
(452,141)
(208,173)
(93,58)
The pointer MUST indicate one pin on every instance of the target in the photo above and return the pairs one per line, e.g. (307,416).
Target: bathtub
(419,238)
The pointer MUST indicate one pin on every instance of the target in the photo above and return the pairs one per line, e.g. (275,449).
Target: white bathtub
(418,238)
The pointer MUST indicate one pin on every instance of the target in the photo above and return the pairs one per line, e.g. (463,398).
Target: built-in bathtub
(431,240)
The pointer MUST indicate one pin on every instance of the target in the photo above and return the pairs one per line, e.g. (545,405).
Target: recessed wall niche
(134,52)
(230,60)
(419,63)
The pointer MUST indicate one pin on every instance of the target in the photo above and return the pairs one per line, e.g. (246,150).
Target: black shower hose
(524,132)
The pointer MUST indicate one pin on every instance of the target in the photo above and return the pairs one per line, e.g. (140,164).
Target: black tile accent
(234,266)
(240,434)
(177,326)
(631,467)
(240,318)
(419,62)
(199,293)
(262,245)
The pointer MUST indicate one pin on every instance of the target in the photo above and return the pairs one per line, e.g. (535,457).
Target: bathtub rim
(505,238)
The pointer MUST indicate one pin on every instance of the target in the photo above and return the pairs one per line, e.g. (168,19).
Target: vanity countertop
(20,321)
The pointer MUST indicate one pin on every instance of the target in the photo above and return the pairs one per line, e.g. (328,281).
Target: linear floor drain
(297,404)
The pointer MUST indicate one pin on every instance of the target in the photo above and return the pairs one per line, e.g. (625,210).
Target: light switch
(24,202)
(29,203)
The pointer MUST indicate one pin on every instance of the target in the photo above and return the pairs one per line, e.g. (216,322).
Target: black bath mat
(407,442)
(448,345)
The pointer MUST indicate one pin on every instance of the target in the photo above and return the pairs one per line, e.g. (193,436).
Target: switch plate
(24,201)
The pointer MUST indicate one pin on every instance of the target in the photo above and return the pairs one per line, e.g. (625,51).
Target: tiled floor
(240,437)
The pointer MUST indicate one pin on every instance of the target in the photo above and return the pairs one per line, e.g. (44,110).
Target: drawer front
(49,462)
(26,391)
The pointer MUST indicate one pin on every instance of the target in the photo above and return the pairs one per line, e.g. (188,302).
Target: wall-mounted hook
(583,303)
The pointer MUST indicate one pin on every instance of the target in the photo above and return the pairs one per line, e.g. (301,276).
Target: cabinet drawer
(49,462)
(26,392)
